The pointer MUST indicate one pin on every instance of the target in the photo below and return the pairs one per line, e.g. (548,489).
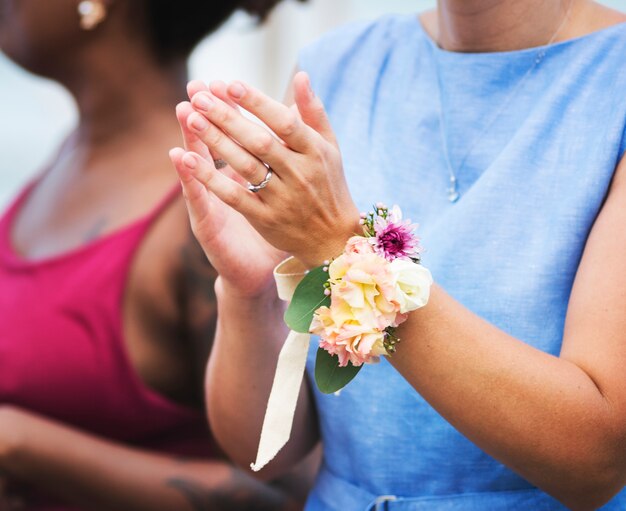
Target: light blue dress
(531,188)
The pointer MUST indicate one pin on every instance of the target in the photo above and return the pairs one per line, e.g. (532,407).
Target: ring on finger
(268,177)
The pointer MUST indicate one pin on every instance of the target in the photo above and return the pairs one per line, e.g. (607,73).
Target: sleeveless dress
(531,187)
(62,348)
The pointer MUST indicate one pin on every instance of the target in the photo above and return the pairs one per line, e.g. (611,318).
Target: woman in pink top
(106,302)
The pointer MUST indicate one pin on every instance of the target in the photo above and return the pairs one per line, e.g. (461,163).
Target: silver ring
(262,184)
(220,164)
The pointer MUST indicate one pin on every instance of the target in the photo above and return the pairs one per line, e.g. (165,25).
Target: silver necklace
(453,188)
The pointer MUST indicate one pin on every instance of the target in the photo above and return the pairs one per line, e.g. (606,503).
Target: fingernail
(202,102)
(236,90)
(189,161)
(198,122)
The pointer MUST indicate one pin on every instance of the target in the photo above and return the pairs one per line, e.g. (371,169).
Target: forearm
(249,336)
(541,415)
(97,474)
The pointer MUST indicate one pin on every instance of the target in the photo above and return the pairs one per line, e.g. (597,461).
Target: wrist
(262,297)
(333,246)
(246,290)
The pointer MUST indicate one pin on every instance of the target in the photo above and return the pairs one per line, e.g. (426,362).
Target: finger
(197,198)
(191,140)
(228,191)
(195,86)
(257,140)
(311,107)
(219,89)
(281,119)
(240,160)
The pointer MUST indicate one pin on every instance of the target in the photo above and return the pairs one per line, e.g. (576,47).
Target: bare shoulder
(608,14)
(619,178)
(183,263)
(593,16)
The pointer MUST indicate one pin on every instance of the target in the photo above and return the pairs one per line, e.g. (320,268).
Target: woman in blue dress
(499,127)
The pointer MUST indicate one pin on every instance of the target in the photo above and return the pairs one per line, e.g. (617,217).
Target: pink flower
(367,286)
(359,245)
(364,302)
(395,238)
(351,341)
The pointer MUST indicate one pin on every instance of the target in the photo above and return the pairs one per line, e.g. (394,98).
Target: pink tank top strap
(164,203)
(10,211)
(16,203)
(135,232)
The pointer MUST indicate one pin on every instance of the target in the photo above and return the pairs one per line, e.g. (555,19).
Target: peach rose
(367,286)
(351,342)
(359,245)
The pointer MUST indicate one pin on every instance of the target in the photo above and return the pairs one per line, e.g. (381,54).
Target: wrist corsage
(359,298)
(354,303)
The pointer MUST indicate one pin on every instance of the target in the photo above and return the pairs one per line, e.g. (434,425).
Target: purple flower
(395,238)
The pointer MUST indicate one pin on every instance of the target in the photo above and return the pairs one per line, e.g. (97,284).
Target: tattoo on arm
(199,274)
(198,302)
(234,496)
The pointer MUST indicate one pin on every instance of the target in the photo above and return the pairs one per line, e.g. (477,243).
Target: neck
(124,97)
(498,25)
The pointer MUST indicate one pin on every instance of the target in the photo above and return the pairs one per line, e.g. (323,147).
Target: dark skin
(112,170)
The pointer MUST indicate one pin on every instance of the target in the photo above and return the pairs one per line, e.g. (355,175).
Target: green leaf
(329,376)
(308,297)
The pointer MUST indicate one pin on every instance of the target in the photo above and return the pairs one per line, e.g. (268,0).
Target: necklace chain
(453,189)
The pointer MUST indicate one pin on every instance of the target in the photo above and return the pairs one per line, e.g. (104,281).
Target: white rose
(412,283)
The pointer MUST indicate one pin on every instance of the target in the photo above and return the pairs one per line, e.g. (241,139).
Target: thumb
(311,108)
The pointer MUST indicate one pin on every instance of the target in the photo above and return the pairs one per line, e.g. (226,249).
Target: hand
(306,209)
(243,259)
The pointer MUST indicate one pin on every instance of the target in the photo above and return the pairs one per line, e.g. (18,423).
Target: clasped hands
(306,209)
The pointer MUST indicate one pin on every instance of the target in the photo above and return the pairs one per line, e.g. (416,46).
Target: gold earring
(92,13)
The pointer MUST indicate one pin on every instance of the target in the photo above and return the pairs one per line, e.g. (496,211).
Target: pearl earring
(92,13)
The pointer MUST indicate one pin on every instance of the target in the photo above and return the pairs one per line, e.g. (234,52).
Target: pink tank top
(62,349)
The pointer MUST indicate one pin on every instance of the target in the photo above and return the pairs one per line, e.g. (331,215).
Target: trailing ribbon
(353,330)
(281,406)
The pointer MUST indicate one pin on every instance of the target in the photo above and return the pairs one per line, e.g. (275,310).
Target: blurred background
(263,56)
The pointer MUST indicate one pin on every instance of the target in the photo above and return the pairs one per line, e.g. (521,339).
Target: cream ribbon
(281,406)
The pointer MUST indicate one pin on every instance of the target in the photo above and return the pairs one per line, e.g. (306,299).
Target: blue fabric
(532,186)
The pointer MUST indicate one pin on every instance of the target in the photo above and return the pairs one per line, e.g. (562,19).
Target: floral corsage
(355,302)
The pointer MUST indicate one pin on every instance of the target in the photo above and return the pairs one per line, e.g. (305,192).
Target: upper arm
(595,329)
(198,302)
